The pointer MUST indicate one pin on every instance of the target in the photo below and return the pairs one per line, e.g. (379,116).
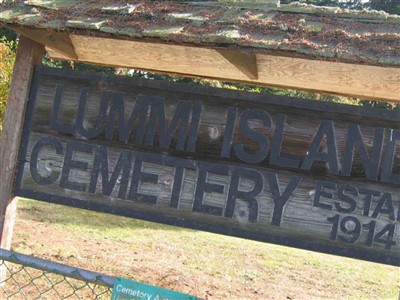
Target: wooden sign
(300,173)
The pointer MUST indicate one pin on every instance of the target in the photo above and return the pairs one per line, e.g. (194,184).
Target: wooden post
(29,54)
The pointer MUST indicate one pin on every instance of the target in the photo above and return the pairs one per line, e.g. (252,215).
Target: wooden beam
(58,41)
(244,62)
(29,54)
(361,81)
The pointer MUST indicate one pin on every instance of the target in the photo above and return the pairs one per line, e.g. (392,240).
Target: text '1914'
(313,175)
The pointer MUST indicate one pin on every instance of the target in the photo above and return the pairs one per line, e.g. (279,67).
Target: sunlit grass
(239,262)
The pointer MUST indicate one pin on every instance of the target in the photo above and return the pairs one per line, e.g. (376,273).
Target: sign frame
(256,99)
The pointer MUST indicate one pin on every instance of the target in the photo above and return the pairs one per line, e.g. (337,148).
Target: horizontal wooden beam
(361,81)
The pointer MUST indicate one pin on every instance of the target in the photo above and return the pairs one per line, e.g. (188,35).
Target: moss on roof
(370,37)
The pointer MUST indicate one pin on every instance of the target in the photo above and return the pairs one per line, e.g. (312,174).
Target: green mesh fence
(27,277)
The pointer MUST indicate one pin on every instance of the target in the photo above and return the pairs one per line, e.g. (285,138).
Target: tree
(390,6)
(334,3)
(7,58)
(7,34)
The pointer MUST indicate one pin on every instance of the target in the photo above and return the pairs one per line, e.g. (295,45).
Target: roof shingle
(367,37)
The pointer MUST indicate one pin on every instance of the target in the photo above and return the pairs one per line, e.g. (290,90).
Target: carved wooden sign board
(306,174)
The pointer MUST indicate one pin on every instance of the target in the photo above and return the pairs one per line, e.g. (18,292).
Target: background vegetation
(390,6)
(225,267)
(207,265)
(7,58)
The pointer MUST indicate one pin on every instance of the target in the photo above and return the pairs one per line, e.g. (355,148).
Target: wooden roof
(369,37)
(243,33)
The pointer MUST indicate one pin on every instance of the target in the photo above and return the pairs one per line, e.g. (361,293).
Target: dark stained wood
(29,54)
(304,220)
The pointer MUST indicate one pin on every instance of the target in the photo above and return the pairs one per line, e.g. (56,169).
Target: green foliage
(378,104)
(8,34)
(390,6)
(292,93)
(7,58)
(244,264)
(92,68)
(333,3)
(77,66)
(313,2)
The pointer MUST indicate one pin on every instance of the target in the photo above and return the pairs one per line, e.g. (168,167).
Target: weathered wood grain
(300,219)
(244,62)
(59,41)
(300,126)
(353,80)
(29,54)
(313,199)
